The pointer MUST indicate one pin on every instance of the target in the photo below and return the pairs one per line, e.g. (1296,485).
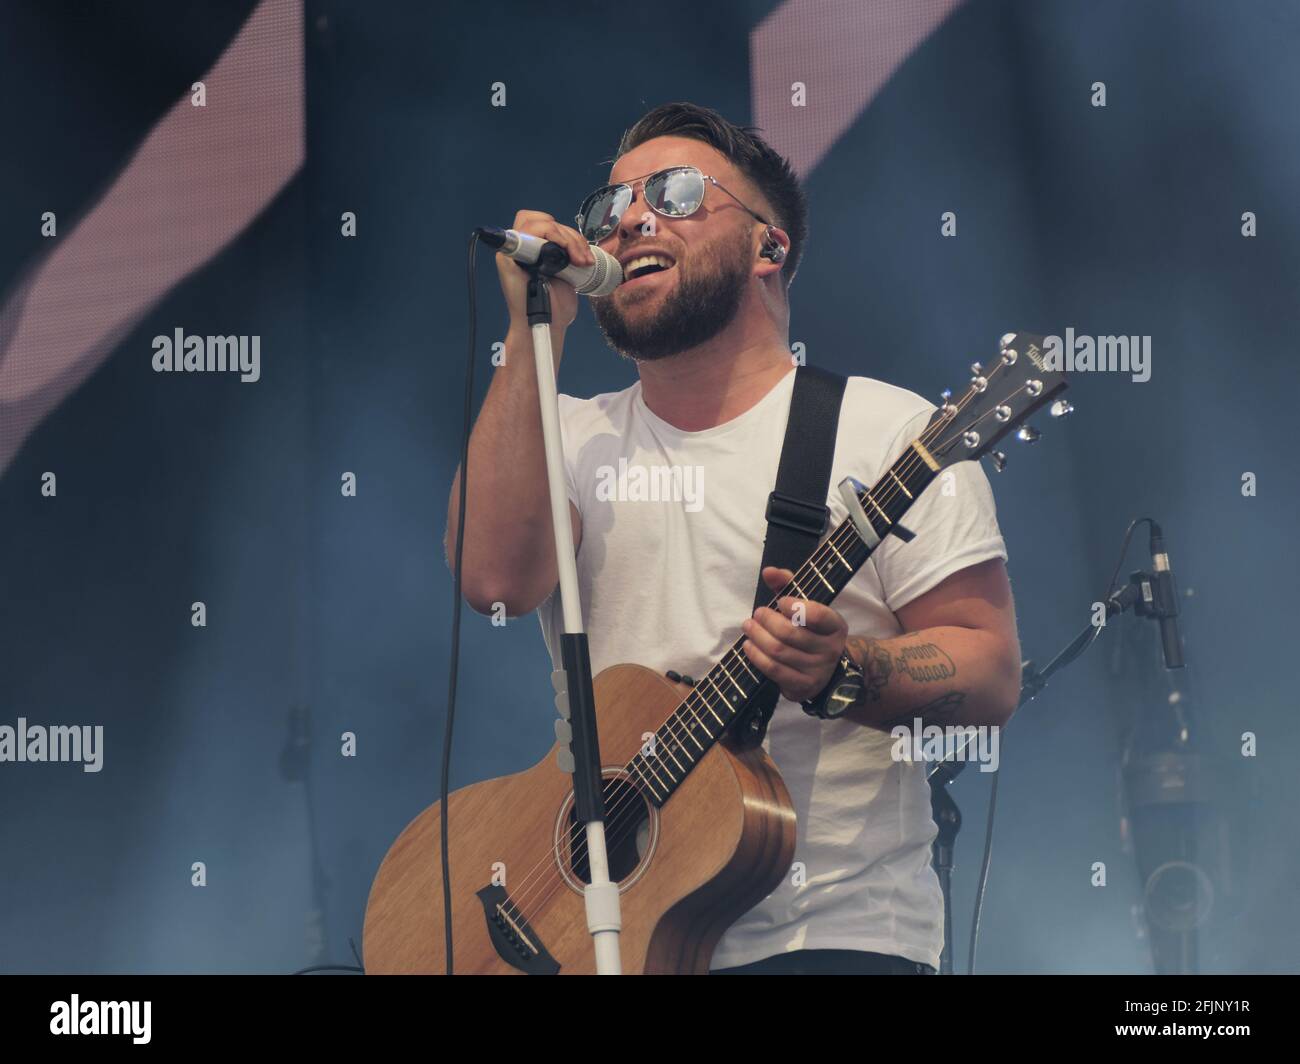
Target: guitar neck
(725,691)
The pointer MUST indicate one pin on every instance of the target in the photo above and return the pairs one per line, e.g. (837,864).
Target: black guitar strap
(797,514)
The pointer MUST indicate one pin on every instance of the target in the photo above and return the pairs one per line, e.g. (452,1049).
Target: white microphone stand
(574,697)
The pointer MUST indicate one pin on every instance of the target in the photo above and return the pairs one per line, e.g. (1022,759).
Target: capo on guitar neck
(850,489)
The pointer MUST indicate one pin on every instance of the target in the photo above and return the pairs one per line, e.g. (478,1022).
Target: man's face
(663,313)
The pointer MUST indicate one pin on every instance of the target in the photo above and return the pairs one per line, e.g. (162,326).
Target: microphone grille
(606,275)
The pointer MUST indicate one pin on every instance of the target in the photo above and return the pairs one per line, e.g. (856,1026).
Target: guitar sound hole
(627,832)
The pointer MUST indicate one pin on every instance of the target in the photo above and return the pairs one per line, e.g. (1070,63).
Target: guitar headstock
(1001,397)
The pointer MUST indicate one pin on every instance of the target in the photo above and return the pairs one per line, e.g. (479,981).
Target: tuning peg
(1006,341)
(971,438)
(1028,434)
(999,461)
(945,398)
(1061,407)
(976,369)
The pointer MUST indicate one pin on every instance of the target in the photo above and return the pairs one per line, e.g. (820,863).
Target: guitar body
(716,848)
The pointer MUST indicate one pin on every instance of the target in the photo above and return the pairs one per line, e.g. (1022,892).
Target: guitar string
(627,782)
(523,897)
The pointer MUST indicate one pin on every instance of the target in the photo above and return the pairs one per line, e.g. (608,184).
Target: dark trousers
(829,962)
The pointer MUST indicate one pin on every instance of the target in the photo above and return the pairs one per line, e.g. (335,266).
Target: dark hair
(747,151)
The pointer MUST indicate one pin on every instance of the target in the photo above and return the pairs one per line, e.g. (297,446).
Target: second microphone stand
(1138,595)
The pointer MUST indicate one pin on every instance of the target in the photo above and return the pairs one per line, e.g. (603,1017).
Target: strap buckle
(796,514)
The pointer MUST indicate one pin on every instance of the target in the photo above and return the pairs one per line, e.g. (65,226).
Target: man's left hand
(797,646)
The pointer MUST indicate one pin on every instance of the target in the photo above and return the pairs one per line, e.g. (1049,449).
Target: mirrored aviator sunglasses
(675,193)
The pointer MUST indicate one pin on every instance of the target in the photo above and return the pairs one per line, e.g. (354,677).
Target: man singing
(709,224)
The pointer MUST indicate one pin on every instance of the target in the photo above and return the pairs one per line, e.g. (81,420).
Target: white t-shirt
(667,583)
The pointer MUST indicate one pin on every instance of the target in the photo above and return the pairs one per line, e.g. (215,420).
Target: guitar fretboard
(718,697)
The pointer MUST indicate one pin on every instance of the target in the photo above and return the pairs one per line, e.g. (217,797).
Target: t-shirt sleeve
(569,409)
(956,526)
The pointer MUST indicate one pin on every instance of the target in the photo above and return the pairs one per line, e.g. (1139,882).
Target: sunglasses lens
(601,212)
(676,193)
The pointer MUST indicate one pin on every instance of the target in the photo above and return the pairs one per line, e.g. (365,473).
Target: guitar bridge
(515,942)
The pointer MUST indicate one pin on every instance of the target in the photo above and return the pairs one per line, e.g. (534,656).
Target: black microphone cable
(456,604)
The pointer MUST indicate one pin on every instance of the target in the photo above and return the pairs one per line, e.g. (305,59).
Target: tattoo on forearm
(922,663)
(925,663)
(940,711)
(876,665)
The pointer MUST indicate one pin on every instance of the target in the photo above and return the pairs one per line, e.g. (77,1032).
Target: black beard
(703,303)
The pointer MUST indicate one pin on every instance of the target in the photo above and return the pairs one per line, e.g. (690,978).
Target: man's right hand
(514,278)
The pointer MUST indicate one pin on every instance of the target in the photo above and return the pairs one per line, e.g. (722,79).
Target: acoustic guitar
(698,829)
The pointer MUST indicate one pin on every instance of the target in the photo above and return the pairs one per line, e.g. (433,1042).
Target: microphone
(597,280)
(1166,601)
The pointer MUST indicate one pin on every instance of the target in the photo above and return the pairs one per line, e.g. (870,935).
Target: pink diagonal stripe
(843,51)
(194,184)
